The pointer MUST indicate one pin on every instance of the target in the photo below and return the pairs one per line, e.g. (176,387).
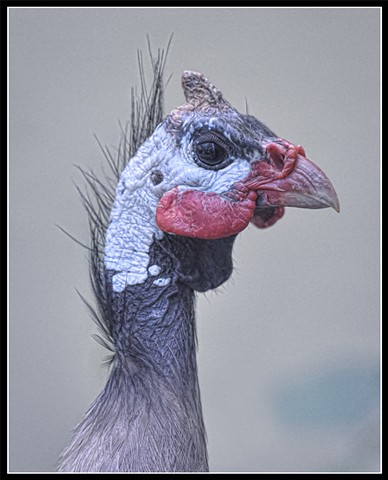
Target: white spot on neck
(154,270)
(162,282)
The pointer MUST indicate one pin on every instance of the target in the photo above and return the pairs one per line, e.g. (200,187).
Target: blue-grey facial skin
(170,151)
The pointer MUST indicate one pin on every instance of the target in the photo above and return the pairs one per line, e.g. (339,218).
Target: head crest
(200,93)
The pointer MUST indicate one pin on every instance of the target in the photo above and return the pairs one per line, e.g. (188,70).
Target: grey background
(289,348)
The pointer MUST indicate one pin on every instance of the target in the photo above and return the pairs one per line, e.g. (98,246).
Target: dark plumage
(186,186)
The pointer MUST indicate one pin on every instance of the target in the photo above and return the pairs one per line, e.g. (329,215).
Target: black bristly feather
(98,193)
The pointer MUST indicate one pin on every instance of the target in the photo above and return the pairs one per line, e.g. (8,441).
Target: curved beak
(286,178)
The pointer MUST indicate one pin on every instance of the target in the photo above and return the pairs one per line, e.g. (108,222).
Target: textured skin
(205,215)
(137,197)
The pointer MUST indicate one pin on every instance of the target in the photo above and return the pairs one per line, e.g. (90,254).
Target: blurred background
(289,348)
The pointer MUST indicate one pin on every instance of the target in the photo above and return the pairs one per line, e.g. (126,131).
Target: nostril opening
(277,161)
(276,156)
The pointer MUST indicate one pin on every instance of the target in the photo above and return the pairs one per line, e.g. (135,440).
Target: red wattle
(206,215)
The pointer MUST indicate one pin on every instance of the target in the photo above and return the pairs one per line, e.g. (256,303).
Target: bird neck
(152,394)
(154,383)
(153,321)
(149,415)
(153,328)
(148,418)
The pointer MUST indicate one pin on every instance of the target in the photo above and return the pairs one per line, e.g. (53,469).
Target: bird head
(236,170)
(205,173)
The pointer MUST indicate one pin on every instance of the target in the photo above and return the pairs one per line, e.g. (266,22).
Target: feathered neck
(153,323)
(148,418)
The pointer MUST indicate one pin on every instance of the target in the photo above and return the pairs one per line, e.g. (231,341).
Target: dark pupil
(210,153)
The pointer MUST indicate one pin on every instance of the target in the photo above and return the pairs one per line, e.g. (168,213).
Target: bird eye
(211,152)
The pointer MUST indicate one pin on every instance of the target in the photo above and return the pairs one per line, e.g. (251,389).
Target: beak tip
(336,205)
(334,201)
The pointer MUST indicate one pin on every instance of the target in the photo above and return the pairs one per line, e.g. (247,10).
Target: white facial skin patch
(132,227)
